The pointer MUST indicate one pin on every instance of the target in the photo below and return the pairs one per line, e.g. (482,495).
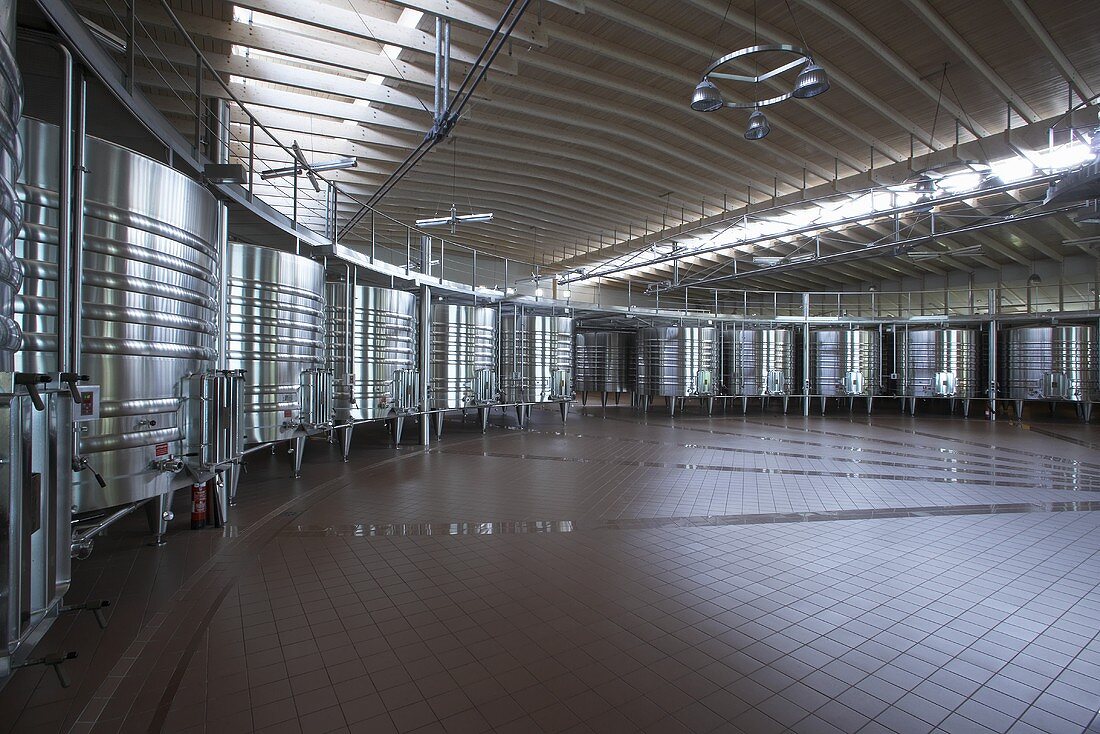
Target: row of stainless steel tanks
(1056,363)
(312,354)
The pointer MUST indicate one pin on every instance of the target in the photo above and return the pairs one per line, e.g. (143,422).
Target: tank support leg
(645,403)
(519,415)
(483,418)
(584,398)
(438,423)
(159,511)
(912,406)
(219,500)
(345,439)
(565,410)
(744,405)
(1019,409)
(710,405)
(1086,412)
(822,405)
(617,396)
(398,429)
(851,404)
(966,407)
(671,405)
(870,404)
(299,444)
(232,479)
(603,399)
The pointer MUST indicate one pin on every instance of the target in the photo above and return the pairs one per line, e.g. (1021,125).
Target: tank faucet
(169,464)
(80,463)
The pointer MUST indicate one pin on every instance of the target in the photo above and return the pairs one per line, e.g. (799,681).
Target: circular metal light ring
(803,55)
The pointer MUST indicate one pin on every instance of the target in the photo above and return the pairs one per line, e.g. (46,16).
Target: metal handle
(31,381)
(72,379)
(80,463)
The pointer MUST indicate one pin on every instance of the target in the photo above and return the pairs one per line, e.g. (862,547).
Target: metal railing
(1006,299)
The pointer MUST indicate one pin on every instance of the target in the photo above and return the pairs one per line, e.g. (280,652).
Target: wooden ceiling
(582,139)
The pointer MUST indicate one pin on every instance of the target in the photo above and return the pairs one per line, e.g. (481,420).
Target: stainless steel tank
(370,335)
(676,361)
(275,332)
(938,363)
(1053,363)
(605,362)
(844,362)
(11,214)
(759,362)
(536,358)
(149,305)
(463,356)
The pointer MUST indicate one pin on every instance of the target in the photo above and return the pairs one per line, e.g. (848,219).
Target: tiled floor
(620,573)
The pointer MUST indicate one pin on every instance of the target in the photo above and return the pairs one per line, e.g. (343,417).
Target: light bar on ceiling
(455,218)
(971,251)
(767,260)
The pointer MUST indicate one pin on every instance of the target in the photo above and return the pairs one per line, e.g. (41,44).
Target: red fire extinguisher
(198,506)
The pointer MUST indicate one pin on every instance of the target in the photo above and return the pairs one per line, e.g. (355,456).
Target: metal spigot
(80,463)
(169,464)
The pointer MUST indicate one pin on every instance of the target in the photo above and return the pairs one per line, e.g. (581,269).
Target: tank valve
(169,464)
(80,463)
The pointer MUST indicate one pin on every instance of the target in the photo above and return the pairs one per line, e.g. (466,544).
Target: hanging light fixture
(811,82)
(758,126)
(706,98)
(453,218)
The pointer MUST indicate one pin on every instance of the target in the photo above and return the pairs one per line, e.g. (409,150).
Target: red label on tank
(162,449)
(288,413)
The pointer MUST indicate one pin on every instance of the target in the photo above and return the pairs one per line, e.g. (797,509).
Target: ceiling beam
(1035,27)
(953,40)
(855,29)
(475,16)
(258,68)
(329,48)
(346,20)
